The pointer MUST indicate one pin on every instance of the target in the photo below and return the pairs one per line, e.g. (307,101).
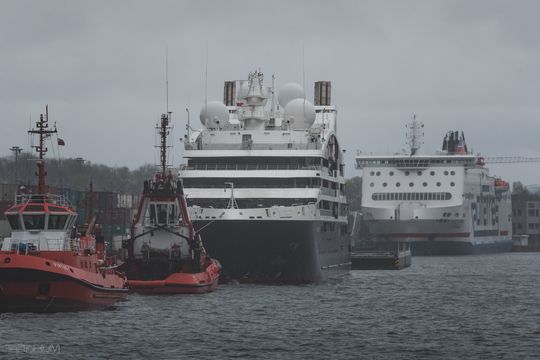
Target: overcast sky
(460,65)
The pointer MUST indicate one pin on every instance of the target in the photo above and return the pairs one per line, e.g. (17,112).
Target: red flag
(61,142)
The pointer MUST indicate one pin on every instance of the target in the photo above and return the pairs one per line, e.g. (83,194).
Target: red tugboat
(164,253)
(48,265)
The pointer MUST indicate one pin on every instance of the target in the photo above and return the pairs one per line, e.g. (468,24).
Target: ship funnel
(323,93)
(229,93)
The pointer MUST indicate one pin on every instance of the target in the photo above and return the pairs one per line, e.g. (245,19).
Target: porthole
(424,184)
(452,184)
(432,173)
(438,184)
(378,173)
(446,173)
(419,173)
(391,173)
(407,173)
(398,184)
(372,185)
(452,173)
(411,184)
(371,173)
(384,184)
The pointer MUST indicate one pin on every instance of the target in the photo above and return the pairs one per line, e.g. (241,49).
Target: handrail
(54,199)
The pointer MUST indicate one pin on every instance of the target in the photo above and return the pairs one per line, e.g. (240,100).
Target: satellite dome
(214,114)
(290,92)
(300,112)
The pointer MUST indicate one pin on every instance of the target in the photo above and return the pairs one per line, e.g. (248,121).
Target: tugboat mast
(43,132)
(163,133)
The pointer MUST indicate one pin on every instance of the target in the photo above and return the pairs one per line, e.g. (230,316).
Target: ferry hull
(276,251)
(449,247)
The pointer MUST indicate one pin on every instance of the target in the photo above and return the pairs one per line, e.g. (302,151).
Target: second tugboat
(48,265)
(164,253)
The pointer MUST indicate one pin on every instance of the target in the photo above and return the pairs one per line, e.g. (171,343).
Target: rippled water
(441,307)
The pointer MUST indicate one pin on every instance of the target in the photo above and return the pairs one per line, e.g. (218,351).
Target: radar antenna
(414,135)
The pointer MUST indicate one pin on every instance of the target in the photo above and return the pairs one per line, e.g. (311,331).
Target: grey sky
(470,65)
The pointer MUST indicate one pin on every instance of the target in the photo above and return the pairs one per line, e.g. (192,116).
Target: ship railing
(255,146)
(218,166)
(252,186)
(53,199)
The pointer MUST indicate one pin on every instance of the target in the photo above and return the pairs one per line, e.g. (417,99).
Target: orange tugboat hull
(180,283)
(37,284)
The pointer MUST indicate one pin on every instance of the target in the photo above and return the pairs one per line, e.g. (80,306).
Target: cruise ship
(444,204)
(264,182)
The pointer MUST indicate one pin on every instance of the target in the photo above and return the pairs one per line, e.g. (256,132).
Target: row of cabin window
(407,173)
(412,196)
(38,221)
(411,184)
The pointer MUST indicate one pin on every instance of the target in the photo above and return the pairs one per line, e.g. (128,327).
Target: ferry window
(424,184)
(407,173)
(391,173)
(419,173)
(57,222)
(448,196)
(384,184)
(378,173)
(14,222)
(372,185)
(34,222)
(411,184)
(446,173)
(371,173)
(432,173)
(452,184)
(392,196)
(398,184)
(452,173)
(438,184)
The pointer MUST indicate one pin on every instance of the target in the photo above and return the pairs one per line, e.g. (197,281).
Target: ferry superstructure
(444,204)
(266,187)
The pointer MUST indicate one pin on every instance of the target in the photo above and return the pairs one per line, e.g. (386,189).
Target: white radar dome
(214,114)
(290,92)
(300,112)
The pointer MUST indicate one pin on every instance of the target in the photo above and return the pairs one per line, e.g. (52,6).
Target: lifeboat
(164,253)
(48,264)
(501,185)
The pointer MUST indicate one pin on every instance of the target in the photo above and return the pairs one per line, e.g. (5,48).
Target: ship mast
(414,135)
(43,132)
(163,132)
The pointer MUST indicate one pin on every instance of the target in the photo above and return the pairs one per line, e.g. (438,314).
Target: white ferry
(444,204)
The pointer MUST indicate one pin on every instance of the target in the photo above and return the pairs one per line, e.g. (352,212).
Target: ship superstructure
(445,203)
(265,186)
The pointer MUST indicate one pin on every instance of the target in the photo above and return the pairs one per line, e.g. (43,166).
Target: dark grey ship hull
(277,251)
(458,247)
